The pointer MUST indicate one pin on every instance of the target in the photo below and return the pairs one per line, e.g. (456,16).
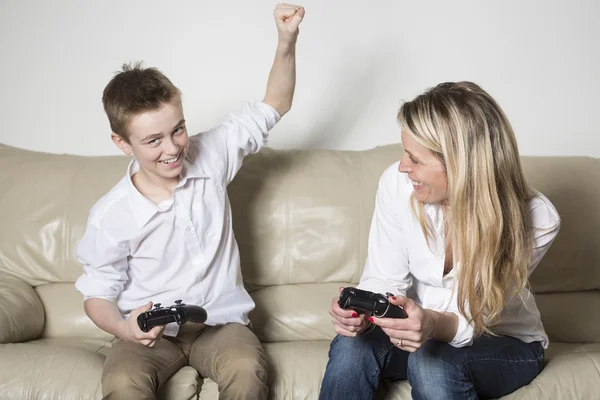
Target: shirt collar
(142,208)
(191,170)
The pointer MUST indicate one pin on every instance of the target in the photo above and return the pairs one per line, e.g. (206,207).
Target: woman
(455,234)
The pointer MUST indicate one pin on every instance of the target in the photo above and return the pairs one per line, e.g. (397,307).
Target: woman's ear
(121,143)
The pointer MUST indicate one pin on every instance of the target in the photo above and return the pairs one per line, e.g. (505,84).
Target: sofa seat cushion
(296,370)
(572,371)
(70,369)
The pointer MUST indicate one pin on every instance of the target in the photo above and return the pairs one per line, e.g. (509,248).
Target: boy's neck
(154,188)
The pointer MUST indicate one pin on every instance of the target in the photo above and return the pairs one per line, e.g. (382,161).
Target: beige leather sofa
(301,220)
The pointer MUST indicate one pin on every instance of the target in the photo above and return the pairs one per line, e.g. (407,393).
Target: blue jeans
(491,367)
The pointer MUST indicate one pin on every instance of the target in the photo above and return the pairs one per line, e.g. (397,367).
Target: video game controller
(179,312)
(365,301)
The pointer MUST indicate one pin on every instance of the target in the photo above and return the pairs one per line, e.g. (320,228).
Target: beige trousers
(230,355)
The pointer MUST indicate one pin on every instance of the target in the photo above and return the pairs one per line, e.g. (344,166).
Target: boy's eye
(153,141)
(179,130)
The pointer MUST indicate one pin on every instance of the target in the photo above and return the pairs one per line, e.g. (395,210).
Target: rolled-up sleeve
(104,263)
(246,133)
(386,268)
(464,333)
(445,301)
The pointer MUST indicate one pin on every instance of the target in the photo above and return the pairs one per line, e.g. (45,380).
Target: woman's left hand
(410,333)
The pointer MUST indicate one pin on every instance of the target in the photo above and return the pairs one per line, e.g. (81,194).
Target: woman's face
(425,170)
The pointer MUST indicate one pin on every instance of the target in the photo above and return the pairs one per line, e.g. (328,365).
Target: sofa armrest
(21,311)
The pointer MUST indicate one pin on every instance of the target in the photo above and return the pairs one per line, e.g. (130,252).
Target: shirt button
(188,229)
(176,203)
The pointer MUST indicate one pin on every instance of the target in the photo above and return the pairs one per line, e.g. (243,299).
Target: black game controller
(180,313)
(365,301)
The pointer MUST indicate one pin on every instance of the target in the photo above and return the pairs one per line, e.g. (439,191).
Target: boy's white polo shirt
(136,251)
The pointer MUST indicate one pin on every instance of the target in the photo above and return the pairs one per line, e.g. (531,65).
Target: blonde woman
(455,234)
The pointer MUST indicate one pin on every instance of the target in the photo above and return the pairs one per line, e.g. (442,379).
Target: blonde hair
(489,223)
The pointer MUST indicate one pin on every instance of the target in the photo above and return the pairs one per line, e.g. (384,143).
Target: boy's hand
(287,18)
(133,333)
(282,78)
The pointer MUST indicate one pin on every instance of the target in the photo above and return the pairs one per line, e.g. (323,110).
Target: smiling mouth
(172,160)
(416,184)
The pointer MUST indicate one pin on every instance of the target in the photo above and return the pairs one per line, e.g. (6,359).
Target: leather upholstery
(301,219)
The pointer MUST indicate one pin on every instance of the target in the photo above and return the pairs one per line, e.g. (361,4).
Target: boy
(164,232)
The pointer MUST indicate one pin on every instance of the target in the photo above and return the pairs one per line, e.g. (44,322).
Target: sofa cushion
(299,216)
(51,369)
(293,312)
(571,316)
(571,372)
(303,217)
(571,184)
(21,311)
(295,370)
(70,368)
(65,316)
(287,313)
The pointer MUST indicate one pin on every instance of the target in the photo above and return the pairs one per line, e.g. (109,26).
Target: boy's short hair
(134,90)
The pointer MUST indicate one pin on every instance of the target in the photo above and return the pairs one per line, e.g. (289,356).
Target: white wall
(357,60)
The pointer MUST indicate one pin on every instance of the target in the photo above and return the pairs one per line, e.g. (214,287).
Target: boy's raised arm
(282,79)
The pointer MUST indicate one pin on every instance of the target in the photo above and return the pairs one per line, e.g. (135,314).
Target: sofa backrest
(301,219)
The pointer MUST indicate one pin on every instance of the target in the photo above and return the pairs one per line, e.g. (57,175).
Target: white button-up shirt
(401,262)
(135,251)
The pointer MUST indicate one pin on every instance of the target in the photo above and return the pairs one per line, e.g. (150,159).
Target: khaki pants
(230,355)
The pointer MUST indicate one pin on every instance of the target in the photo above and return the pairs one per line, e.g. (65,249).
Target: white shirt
(136,251)
(401,262)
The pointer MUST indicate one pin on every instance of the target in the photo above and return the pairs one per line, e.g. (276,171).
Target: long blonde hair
(490,226)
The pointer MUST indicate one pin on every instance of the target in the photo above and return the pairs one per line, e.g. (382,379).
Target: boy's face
(158,139)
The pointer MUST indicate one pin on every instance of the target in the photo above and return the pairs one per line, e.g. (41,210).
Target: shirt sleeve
(386,268)
(246,133)
(465,332)
(104,265)
(546,224)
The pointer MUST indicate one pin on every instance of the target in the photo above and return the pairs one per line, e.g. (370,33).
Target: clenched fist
(287,18)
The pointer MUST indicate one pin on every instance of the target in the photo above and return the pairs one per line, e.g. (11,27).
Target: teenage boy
(164,232)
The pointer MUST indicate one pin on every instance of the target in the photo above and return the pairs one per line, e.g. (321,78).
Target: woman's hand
(347,322)
(410,333)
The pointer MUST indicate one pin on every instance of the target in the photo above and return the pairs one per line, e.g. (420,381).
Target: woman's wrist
(433,321)
(443,326)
